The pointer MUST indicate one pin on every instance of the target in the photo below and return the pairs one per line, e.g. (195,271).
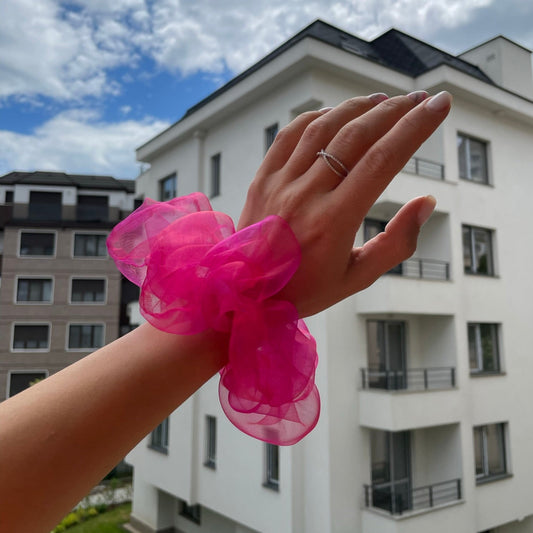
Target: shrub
(71,520)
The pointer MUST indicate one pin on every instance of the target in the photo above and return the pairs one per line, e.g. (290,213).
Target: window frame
(20,277)
(495,335)
(161,185)
(160,432)
(215,175)
(467,139)
(89,233)
(272,466)
(36,256)
(84,349)
(210,442)
(44,372)
(268,137)
(487,476)
(16,324)
(88,302)
(191,512)
(491,270)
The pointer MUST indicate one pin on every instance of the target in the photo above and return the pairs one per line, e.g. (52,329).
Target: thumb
(392,246)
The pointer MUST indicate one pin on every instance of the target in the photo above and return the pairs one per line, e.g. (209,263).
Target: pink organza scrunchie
(197,273)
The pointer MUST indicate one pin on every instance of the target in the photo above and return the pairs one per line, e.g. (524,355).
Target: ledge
(158,449)
(410,514)
(489,479)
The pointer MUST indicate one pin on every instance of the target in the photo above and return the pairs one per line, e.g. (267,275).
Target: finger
(319,133)
(391,247)
(389,155)
(354,139)
(286,140)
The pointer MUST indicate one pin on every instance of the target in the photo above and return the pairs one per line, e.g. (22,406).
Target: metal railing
(431,269)
(424,167)
(409,379)
(396,498)
(92,213)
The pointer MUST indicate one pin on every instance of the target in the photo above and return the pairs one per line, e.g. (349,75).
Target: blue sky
(84,82)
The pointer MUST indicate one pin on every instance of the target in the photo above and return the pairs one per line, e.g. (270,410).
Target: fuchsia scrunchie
(197,273)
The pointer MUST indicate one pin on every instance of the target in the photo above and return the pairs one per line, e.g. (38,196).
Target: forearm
(60,437)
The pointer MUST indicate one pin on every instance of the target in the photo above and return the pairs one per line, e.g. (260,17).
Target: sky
(85,82)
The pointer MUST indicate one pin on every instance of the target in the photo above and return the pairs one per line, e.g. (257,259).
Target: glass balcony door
(45,206)
(374,227)
(391,470)
(386,354)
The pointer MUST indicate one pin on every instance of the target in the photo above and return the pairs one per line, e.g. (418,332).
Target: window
(92,208)
(31,337)
(34,290)
(272,466)
(483,348)
(191,512)
(19,381)
(386,354)
(37,244)
(472,155)
(270,135)
(489,446)
(9,197)
(167,188)
(159,437)
(391,470)
(477,251)
(371,229)
(210,441)
(90,245)
(85,336)
(215,176)
(88,290)
(45,205)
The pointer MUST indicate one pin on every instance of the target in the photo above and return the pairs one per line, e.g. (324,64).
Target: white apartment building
(425,377)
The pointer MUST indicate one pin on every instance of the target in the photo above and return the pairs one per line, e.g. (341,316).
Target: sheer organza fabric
(197,273)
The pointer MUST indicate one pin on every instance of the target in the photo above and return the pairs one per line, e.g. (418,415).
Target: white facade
(423,318)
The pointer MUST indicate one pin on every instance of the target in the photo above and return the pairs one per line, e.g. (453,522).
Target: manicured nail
(378,97)
(427,208)
(440,102)
(325,110)
(418,96)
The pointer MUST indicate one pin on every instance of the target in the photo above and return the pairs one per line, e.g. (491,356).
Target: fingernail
(440,102)
(325,110)
(427,208)
(378,97)
(418,96)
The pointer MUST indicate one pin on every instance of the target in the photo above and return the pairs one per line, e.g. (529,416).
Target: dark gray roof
(394,49)
(80,181)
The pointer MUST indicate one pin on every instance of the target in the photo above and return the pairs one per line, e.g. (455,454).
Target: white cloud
(47,49)
(77,141)
(66,49)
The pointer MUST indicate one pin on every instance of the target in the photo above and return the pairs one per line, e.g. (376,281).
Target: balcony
(429,269)
(425,168)
(92,213)
(413,379)
(412,475)
(398,498)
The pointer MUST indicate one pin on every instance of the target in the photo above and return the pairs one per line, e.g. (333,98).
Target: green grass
(108,522)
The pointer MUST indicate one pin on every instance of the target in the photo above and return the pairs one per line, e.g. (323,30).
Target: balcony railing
(411,379)
(423,269)
(424,167)
(396,498)
(92,213)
